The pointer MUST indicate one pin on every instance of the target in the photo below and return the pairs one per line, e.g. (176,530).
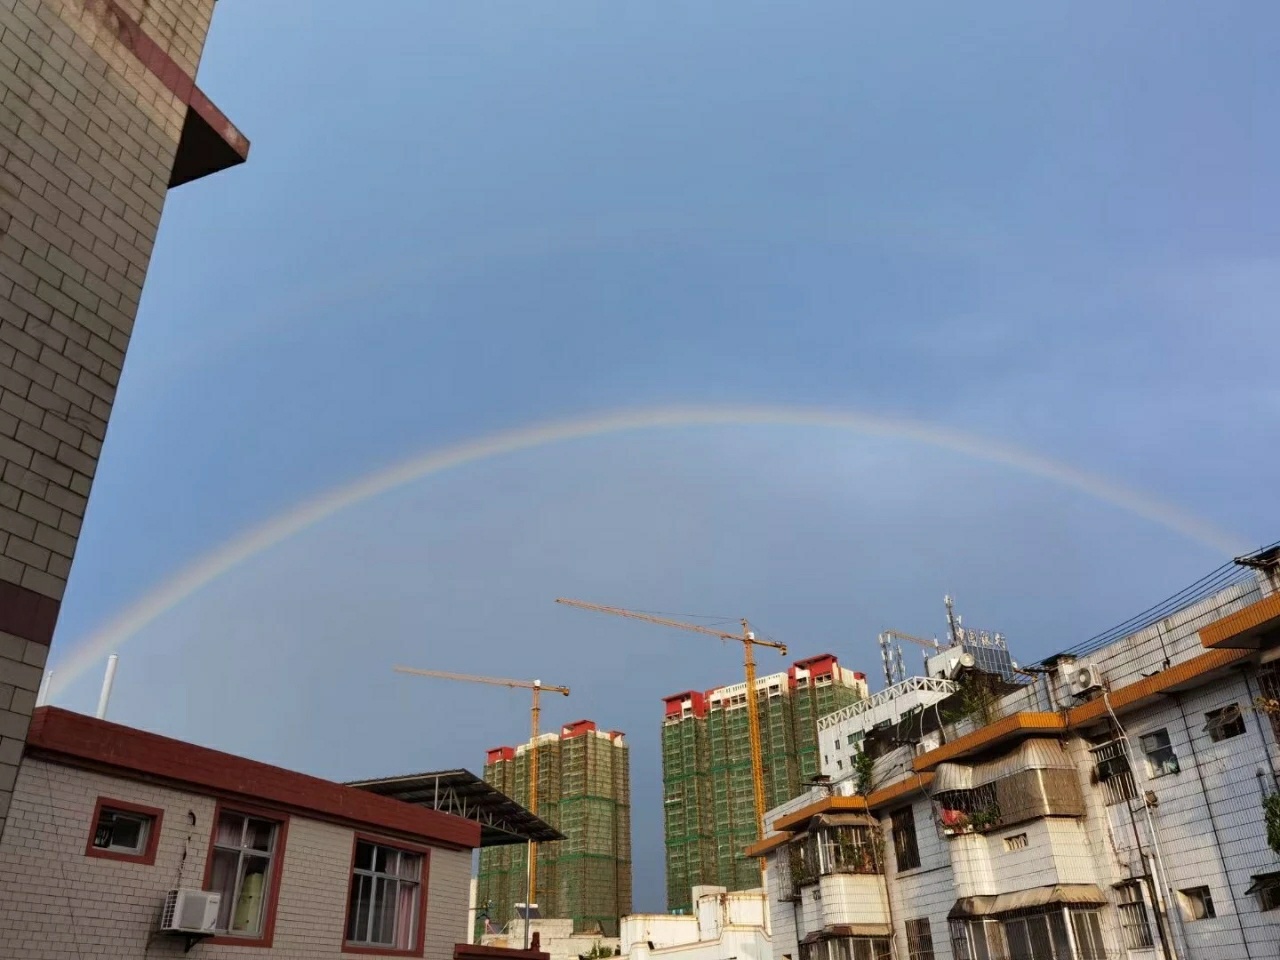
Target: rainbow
(83,655)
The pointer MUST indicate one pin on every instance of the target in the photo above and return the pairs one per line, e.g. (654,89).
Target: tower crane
(749,642)
(537,686)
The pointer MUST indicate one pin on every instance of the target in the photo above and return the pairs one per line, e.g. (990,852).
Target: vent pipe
(42,697)
(107,681)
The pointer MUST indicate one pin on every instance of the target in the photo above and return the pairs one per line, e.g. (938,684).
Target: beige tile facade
(56,903)
(89,133)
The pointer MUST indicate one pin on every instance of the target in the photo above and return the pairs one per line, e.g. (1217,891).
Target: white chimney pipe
(42,697)
(107,681)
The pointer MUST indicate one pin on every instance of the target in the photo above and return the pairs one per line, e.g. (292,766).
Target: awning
(1263,881)
(1058,894)
(843,820)
(1039,753)
(848,930)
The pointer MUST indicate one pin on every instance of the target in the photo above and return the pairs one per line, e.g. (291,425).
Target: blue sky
(1049,224)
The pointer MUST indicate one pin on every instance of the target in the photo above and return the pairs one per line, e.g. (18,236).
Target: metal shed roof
(463,794)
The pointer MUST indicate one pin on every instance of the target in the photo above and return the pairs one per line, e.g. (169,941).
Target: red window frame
(147,857)
(281,820)
(420,936)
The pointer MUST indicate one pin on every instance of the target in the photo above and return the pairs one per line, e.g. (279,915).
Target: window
(1269,686)
(1266,887)
(1088,933)
(977,940)
(1161,759)
(905,851)
(837,743)
(384,906)
(847,948)
(1111,769)
(124,831)
(1133,917)
(1070,934)
(1224,724)
(919,940)
(1017,842)
(839,764)
(1197,903)
(242,867)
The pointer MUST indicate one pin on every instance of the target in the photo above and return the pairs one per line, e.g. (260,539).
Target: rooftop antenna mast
(954,630)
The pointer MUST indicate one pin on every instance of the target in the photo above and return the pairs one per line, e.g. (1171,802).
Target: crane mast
(749,642)
(536,686)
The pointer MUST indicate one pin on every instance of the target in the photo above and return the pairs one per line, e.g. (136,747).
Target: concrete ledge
(1244,629)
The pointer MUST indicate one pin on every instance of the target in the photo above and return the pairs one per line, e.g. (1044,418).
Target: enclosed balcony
(833,844)
(1036,779)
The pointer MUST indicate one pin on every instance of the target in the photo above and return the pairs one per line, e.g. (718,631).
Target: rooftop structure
(123,843)
(463,794)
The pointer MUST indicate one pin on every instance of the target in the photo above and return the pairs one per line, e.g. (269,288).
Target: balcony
(834,844)
(1034,780)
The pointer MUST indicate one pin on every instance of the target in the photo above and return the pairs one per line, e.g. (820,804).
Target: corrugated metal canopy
(848,930)
(843,820)
(460,792)
(1038,753)
(1061,894)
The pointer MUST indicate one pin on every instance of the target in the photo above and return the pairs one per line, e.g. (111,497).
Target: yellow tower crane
(537,686)
(749,642)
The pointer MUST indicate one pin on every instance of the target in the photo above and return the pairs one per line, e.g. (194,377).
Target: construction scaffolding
(584,791)
(708,801)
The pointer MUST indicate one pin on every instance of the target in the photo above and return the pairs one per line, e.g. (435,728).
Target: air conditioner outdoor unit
(1080,678)
(190,911)
(930,741)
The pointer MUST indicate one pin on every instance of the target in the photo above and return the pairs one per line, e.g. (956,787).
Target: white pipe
(42,697)
(107,681)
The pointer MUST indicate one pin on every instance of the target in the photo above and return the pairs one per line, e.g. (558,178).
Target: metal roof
(463,794)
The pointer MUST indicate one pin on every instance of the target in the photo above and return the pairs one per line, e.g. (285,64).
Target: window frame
(1217,722)
(1135,919)
(1158,758)
(1204,895)
(267,938)
(420,934)
(906,813)
(919,935)
(147,855)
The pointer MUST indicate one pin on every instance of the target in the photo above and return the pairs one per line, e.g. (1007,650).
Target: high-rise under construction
(708,801)
(584,791)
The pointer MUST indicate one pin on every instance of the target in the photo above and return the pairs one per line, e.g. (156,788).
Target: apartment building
(584,792)
(100,116)
(1115,807)
(107,820)
(708,800)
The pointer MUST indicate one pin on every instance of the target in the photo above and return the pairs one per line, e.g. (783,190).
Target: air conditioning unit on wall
(1080,678)
(190,911)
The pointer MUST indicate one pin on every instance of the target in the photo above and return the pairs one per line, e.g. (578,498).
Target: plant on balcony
(862,766)
(982,819)
(1271,815)
(955,822)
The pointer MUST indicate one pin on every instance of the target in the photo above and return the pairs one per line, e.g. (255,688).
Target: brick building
(106,819)
(100,116)
(1115,807)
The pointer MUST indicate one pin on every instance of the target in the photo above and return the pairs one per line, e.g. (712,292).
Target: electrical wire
(1227,575)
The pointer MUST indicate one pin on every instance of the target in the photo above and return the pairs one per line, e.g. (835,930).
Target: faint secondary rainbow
(249,544)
